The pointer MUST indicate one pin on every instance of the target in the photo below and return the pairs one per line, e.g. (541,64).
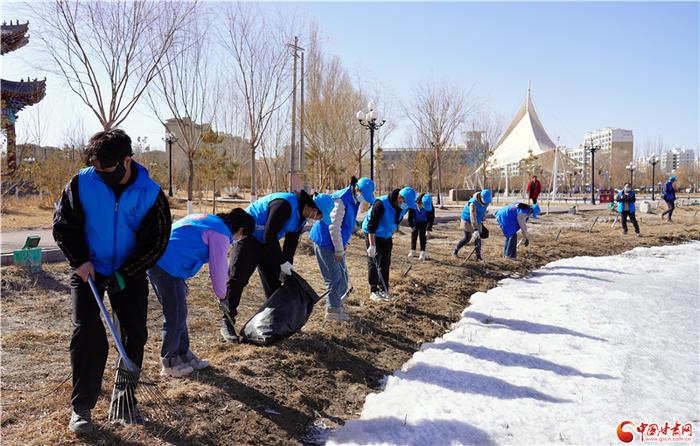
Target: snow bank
(561,356)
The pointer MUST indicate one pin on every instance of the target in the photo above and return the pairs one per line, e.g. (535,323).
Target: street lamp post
(170,138)
(653,160)
(370,120)
(593,149)
(631,168)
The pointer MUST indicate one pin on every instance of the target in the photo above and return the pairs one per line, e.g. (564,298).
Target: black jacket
(151,238)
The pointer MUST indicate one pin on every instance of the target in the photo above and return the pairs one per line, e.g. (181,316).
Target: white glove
(477,235)
(286,268)
(372,250)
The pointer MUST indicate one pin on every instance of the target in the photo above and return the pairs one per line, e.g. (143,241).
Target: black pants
(465,240)
(534,200)
(633,219)
(671,206)
(383,259)
(89,345)
(418,230)
(249,254)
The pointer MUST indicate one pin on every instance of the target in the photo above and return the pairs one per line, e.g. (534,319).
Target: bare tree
(491,127)
(261,60)
(334,139)
(436,112)
(109,52)
(183,84)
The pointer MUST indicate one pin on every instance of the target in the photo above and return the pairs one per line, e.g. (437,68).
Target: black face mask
(113,179)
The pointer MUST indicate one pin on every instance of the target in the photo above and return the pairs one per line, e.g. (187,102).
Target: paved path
(12,240)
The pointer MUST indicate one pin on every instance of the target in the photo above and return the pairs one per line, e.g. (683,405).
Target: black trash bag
(484,232)
(283,314)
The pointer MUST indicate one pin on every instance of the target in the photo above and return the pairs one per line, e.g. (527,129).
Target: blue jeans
(335,275)
(172,295)
(510,246)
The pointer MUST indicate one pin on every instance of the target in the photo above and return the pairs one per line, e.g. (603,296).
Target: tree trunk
(439,176)
(190,183)
(253,194)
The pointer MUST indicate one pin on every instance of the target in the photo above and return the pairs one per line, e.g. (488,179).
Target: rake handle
(96,294)
(379,273)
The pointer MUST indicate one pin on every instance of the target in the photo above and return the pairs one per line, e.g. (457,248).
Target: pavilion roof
(14,36)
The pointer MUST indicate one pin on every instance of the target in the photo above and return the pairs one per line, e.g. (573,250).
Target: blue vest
(621,205)
(669,192)
(186,252)
(389,223)
(480,211)
(507,219)
(259,211)
(320,232)
(111,225)
(420,215)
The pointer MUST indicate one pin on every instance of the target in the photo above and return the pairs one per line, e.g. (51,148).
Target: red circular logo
(625,437)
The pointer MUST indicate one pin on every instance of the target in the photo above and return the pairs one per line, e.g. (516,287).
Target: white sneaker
(411,253)
(177,371)
(337,314)
(196,363)
(423,256)
(380,296)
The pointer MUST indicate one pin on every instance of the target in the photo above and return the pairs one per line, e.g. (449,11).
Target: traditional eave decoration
(14,36)
(17,95)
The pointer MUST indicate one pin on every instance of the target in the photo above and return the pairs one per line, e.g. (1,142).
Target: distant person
(511,219)
(195,240)
(669,196)
(379,225)
(279,215)
(113,223)
(421,221)
(472,219)
(331,241)
(626,207)
(533,189)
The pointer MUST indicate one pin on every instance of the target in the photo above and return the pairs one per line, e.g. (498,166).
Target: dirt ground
(290,392)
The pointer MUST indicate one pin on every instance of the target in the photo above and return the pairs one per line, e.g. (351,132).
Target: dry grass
(270,395)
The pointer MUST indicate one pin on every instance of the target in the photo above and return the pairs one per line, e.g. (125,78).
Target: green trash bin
(30,255)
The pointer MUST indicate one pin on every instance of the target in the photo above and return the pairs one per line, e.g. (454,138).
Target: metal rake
(130,385)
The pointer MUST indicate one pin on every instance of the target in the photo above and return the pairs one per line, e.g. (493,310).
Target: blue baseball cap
(409,195)
(535,210)
(486,196)
(325,204)
(427,202)
(366,187)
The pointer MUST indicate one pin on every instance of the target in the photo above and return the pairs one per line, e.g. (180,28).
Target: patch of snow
(561,356)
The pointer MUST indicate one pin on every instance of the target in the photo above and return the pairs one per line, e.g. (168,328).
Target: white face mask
(360,198)
(628,189)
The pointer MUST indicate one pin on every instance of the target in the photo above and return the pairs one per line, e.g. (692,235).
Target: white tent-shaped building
(524,134)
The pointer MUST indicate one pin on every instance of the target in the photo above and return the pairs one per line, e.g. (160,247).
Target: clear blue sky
(592,65)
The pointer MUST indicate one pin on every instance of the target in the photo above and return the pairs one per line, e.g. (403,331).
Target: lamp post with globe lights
(631,168)
(170,138)
(371,120)
(653,160)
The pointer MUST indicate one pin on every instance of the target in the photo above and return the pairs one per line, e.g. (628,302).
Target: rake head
(132,388)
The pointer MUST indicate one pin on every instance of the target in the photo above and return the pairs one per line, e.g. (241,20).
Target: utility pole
(292,150)
(301,125)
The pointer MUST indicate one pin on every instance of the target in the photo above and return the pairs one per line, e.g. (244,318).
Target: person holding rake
(112,224)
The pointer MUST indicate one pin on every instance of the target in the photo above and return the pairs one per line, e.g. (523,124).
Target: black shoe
(229,333)
(479,258)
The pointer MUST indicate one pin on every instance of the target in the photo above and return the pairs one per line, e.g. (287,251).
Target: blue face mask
(403,206)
